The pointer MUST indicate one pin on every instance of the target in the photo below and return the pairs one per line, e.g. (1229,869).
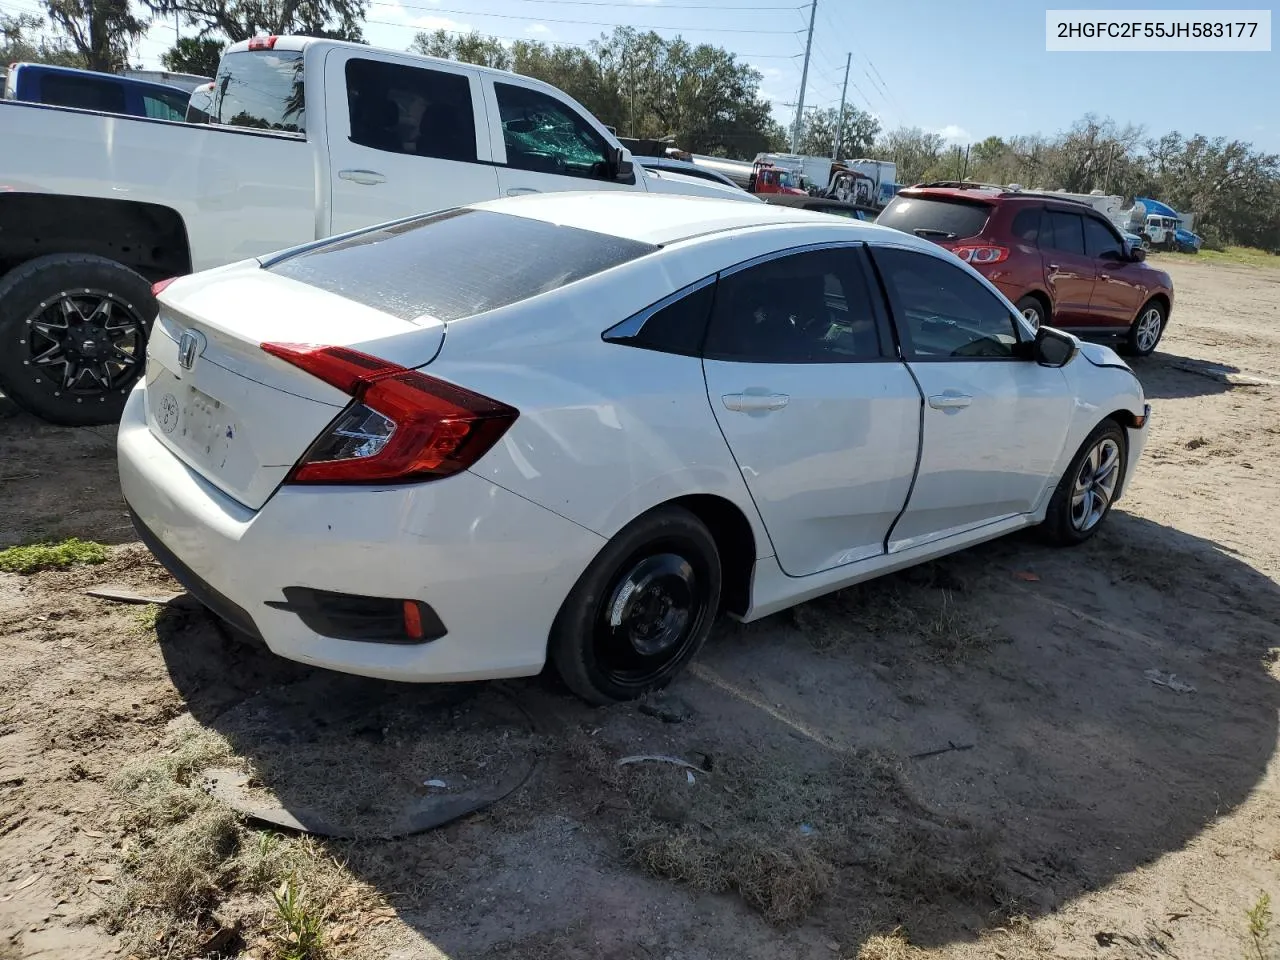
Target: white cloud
(954,133)
(540,29)
(439,23)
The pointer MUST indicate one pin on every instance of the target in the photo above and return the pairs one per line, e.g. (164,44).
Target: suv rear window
(935,219)
(457,263)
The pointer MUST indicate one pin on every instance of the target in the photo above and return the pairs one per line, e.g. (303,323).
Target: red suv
(1059,261)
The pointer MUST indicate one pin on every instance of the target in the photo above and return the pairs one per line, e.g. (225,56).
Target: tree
(22,40)
(473,47)
(198,55)
(100,31)
(918,154)
(818,132)
(241,19)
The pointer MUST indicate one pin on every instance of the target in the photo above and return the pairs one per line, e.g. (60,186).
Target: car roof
(665,219)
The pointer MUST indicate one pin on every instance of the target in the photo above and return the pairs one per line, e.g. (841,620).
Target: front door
(994,424)
(1068,271)
(542,144)
(403,139)
(1117,295)
(822,419)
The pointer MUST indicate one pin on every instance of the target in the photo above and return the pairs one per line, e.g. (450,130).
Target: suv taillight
(404,426)
(981,255)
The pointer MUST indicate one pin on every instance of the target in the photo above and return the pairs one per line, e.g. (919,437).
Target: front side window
(165,106)
(399,109)
(1062,231)
(1100,242)
(261,89)
(546,135)
(811,307)
(943,313)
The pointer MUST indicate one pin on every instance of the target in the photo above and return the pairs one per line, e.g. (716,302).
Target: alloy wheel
(86,342)
(1149,326)
(1095,484)
(1032,316)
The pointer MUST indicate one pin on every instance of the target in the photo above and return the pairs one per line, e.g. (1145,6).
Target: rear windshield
(260,89)
(935,219)
(457,263)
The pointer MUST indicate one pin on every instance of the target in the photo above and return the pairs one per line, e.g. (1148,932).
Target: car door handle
(521,191)
(755,402)
(367,177)
(1104,276)
(950,401)
(1054,266)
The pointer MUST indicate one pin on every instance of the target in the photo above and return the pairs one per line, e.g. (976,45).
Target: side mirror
(1137,254)
(620,164)
(1053,348)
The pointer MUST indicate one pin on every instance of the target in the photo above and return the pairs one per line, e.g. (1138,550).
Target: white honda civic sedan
(577,426)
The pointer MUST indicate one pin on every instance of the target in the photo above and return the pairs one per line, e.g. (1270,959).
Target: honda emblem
(188,350)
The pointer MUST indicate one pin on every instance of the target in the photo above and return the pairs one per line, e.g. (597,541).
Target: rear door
(1117,294)
(822,419)
(543,144)
(1069,271)
(403,138)
(994,424)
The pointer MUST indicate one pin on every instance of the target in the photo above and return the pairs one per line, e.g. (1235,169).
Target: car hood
(1101,355)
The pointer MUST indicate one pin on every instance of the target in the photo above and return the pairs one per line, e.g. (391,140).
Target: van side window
(399,109)
(86,93)
(545,135)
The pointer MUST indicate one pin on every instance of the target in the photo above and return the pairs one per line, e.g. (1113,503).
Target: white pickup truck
(307,139)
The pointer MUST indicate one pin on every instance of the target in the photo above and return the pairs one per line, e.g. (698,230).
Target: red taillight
(981,255)
(262,43)
(159,288)
(404,425)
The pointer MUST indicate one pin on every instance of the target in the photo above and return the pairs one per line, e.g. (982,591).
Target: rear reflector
(404,426)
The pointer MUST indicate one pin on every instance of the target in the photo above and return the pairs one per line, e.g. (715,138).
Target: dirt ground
(972,759)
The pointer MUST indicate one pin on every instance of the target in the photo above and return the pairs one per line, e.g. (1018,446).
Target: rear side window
(457,263)
(399,109)
(165,106)
(85,93)
(935,219)
(811,307)
(1026,225)
(546,135)
(676,327)
(1062,231)
(261,89)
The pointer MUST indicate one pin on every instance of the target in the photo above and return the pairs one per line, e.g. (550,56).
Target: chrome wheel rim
(1095,484)
(1149,325)
(85,343)
(649,618)
(1032,316)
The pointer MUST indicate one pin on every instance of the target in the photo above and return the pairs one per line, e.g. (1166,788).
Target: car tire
(48,365)
(1028,304)
(1088,488)
(1146,330)
(641,610)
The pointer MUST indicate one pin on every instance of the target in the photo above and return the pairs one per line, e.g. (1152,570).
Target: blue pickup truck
(87,90)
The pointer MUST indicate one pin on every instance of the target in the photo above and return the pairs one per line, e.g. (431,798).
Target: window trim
(886,337)
(903,334)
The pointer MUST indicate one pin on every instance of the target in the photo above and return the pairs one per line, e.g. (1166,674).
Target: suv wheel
(1146,331)
(1032,310)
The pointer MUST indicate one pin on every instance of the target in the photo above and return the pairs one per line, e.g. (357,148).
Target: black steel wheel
(73,337)
(641,610)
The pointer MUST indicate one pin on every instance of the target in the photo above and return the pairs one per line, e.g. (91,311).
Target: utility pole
(835,154)
(804,79)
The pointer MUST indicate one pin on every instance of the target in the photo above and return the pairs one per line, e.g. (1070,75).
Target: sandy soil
(1086,811)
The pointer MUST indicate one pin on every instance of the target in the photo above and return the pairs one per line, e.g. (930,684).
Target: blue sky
(966,70)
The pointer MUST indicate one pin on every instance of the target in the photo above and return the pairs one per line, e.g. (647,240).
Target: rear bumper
(494,566)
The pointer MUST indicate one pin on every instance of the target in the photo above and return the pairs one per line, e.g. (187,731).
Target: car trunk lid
(233,413)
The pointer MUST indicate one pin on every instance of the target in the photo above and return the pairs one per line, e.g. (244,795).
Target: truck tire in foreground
(73,336)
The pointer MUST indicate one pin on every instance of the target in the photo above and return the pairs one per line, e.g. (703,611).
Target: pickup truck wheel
(73,337)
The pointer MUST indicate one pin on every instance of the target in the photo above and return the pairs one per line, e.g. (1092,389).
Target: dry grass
(784,834)
(891,946)
(192,874)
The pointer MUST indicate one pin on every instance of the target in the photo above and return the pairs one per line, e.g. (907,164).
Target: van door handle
(950,401)
(521,191)
(367,177)
(755,402)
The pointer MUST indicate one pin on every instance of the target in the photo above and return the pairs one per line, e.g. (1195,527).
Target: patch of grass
(890,946)
(1259,917)
(146,616)
(783,834)
(34,557)
(300,935)
(1242,256)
